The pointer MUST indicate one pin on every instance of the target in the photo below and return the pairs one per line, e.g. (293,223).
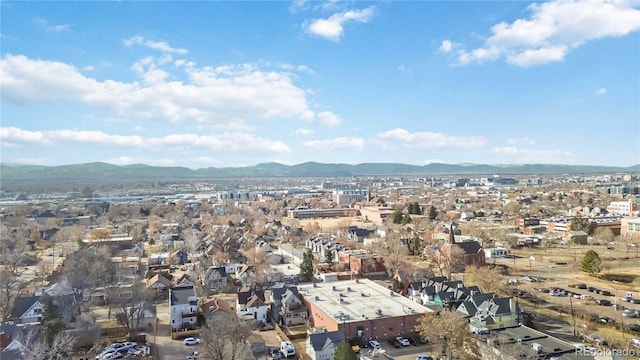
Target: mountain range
(101,170)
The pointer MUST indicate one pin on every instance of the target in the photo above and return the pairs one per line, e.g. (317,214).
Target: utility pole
(573,315)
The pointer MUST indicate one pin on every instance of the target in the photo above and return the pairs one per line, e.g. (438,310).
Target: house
(498,252)
(27,310)
(217,311)
(292,310)
(576,237)
(142,317)
(158,283)
(275,297)
(13,340)
(179,257)
(322,344)
(183,305)
(215,277)
(251,305)
(490,313)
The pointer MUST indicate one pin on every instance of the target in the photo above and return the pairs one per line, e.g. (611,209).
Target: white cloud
(601,91)
(303,132)
(138,128)
(516,155)
(224,95)
(155,45)
(223,142)
(332,28)
(44,25)
(382,144)
(430,140)
(553,29)
(446,46)
(329,119)
(341,143)
(524,140)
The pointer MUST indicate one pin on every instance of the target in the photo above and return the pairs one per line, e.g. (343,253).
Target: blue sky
(210,83)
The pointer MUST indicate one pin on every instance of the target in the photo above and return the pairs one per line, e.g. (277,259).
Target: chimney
(512,305)
(472,293)
(452,238)
(4,340)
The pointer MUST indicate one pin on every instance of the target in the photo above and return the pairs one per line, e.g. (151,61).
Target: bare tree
(86,269)
(60,348)
(445,262)
(10,285)
(450,335)
(225,340)
(394,252)
(130,311)
(486,278)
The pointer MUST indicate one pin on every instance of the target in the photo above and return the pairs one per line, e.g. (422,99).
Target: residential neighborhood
(383,267)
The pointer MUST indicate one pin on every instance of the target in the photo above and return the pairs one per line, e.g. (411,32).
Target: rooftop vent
(317,298)
(378,311)
(333,288)
(348,288)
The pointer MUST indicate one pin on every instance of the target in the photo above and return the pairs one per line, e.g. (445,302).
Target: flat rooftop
(358,300)
(522,337)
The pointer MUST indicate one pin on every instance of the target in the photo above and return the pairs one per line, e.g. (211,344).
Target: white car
(424,357)
(193,356)
(191,341)
(375,344)
(108,354)
(403,341)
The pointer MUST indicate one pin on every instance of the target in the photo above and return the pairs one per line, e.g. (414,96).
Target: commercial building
(361,308)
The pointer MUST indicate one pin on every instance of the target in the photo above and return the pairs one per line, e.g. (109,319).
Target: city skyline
(214,84)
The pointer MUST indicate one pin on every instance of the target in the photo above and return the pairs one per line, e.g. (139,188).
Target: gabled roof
(321,340)
(254,301)
(245,293)
(279,289)
(469,247)
(22,304)
(180,295)
(157,278)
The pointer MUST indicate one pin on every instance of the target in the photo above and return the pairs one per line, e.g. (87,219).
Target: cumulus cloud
(553,29)
(515,154)
(239,142)
(154,45)
(430,140)
(601,91)
(332,28)
(329,119)
(224,95)
(46,26)
(341,143)
(303,132)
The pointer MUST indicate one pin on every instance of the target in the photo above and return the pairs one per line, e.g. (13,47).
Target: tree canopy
(591,263)
(306,267)
(344,352)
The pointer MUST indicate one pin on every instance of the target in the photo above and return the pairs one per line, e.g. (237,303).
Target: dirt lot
(560,267)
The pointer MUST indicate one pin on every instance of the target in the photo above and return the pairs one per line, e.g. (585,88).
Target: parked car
(403,341)
(580,286)
(530,278)
(191,341)
(375,344)
(395,343)
(607,320)
(424,357)
(592,289)
(513,281)
(275,353)
(634,342)
(603,302)
(606,293)
(630,313)
(543,290)
(634,327)
(193,356)
(635,300)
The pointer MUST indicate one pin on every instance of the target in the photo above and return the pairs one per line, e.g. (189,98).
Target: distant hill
(104,171)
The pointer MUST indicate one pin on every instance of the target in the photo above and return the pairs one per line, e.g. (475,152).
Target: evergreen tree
(344,352)
(396,216)
(406,218)
(433,213)
(51,324)
(591,263)
(328,256)
(306,267)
